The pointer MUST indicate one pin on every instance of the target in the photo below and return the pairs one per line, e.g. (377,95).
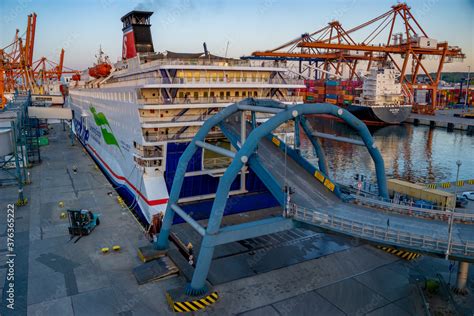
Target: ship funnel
(136,34)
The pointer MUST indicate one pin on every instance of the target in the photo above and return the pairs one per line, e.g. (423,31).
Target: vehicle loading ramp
(316,200)
(318,206)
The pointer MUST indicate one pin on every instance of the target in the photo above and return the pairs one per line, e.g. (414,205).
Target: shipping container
(418,191)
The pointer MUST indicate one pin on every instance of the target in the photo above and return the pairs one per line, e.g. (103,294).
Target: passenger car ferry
(137,118)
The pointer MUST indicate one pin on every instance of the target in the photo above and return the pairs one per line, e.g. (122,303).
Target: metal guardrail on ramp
(410,210)
(384,235)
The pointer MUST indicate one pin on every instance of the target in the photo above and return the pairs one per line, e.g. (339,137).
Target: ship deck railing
(211,62)
(225,80)
(153,138)
(211,100)
(176,119)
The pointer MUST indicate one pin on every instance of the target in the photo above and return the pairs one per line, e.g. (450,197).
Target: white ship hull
(149,192)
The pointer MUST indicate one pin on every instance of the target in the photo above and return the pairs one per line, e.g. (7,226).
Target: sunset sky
(80,27)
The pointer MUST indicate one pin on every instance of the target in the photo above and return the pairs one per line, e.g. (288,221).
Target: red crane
(401,42)
(19,71)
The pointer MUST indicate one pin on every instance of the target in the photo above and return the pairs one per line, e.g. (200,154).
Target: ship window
(154,94)
(255,93)
(237,93)
(181,95)
(212,160)
(221,94)
(212,94)
(196,94)
(244,93)
(227,94)
(206,94)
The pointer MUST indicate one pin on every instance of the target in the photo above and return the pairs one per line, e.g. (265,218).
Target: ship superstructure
(136,121)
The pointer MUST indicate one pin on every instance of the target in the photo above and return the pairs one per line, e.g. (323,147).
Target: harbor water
(413,153)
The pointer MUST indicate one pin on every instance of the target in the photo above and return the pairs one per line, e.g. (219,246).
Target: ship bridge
(307,194)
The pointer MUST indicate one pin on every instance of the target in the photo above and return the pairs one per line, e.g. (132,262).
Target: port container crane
(392,38)
(19,71)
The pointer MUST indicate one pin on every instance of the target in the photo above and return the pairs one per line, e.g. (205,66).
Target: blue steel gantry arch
(247,154)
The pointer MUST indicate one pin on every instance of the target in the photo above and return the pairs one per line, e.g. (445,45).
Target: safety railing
(152,138)
(217,162)
(382,234)
(406,209)
(180,119)
(209,62)
(223,80)
(214,99)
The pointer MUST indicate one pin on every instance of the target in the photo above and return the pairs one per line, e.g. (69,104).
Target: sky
(81,26)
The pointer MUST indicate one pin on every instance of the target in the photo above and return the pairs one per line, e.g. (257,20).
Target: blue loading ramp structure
(316,199)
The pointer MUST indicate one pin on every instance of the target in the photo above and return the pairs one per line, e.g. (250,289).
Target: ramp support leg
(461,282)
(198,283)
(317,146)
(297,134)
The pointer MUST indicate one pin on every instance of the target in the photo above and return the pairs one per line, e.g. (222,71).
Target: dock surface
(55,276)
(443,118)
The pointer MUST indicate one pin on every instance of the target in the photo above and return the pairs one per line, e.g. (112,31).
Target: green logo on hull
(105,128)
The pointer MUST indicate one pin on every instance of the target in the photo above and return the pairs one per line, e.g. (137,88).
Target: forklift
(82,223)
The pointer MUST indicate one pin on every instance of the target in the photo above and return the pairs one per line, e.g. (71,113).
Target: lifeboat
(76,77)
(100,70)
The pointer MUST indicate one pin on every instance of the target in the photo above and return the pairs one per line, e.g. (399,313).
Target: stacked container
(315,91)
(349,91)
(333,92)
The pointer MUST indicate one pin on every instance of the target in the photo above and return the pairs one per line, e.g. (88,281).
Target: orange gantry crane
(393,38)
(19,71)
(16,60)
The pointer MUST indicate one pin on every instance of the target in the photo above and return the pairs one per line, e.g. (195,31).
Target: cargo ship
(382,99)
(136,117)
(376,100)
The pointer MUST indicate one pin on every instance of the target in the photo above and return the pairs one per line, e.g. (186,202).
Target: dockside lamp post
(466,105)
(451,218)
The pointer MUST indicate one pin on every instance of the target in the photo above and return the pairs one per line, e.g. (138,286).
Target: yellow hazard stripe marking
(407,255)
(177,309)
(203,301)
(210,299)
(276,141)
(192,306)
(182,306)
(328,184)
(198,304)
(458,183)
(318,175)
